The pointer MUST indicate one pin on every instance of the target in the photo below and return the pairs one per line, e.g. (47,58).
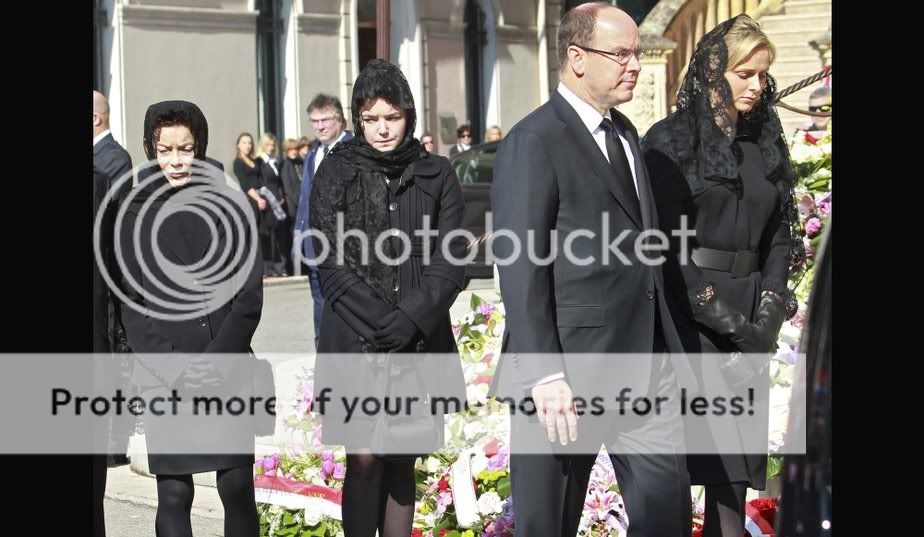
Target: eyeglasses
(822,108)
(466,135)
(323,121)
(622,57)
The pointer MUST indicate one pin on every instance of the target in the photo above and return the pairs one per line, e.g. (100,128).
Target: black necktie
(618,160)
(326,149)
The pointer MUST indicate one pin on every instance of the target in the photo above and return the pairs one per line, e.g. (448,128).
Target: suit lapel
(577,131)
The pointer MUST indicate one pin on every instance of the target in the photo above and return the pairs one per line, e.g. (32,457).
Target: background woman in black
(722,162)
(247,171)
(176,134)
(291,174)
(273,233)
(383,179)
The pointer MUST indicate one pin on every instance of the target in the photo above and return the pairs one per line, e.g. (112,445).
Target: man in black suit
(574,165)
(113,161)
(110,157)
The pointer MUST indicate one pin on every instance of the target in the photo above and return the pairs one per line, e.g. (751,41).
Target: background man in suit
(574,164)
(326,115)
(113,161)
(110,157)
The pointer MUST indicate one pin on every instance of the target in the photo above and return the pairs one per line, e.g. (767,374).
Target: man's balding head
(100,113)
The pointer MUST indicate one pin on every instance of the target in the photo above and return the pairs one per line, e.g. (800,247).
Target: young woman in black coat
(721,162)
(379,181)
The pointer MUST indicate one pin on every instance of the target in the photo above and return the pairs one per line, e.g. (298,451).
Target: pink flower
(486,309)
(456,330)
(812,227)
(599,503)
(316,438)
(806,205)
(799,320)
(491,448)
(824,204)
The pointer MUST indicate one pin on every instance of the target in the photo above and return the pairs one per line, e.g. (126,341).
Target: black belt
(740,263)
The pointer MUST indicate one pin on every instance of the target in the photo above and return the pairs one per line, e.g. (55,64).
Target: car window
(476,167)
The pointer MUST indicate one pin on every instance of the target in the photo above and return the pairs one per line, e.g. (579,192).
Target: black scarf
(700,136)
(351,179)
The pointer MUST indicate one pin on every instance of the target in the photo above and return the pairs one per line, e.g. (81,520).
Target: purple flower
(270,463)
(486,309)
(500,460)
(812,227)
(339,471)
(327,468)
(456,329)
(503,524)
(442,502)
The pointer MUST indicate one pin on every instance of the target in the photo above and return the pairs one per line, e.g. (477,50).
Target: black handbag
(414,431)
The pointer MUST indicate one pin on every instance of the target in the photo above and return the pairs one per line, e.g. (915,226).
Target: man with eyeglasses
(819,101)
(463,141)
(326,114)
(574,166)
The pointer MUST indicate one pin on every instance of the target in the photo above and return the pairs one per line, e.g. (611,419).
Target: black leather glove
(770,316)
(397,331)
(722,318)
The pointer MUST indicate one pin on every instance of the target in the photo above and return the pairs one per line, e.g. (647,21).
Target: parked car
(475,169)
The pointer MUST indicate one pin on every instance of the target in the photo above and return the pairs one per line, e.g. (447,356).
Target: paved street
(285,337)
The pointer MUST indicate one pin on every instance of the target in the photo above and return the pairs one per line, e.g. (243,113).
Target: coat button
(393,206)
(202,323)
(650,295)
(397,287)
